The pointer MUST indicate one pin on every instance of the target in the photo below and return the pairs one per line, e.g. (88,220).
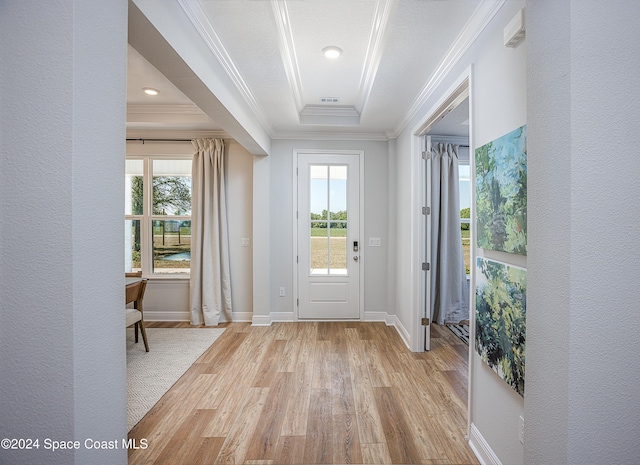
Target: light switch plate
(246,242)
(375,242)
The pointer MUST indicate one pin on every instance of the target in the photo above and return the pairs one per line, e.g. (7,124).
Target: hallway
(319,393)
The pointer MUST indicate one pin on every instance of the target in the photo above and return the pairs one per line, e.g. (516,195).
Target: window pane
(465,212)
(319,249)
(318,201)
(134,193)
(338,248)
(132,246)
(171,246)
(172,187)
(338,192)
(328,207)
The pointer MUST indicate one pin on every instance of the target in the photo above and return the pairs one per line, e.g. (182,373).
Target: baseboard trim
(402,331)
(165,316)
(376,316)
(281,316)
(273,317)
(184,316)
(481,447)
(261,320)
(241,317)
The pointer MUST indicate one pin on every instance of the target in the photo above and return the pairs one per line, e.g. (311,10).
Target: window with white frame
(158,215)
(464,171)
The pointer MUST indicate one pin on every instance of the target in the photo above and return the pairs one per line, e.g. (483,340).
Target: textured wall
(61,179)
(582,330)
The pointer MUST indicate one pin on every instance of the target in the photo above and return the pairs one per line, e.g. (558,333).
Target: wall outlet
(282,292)
(375,242)
(246,242)
(521,430)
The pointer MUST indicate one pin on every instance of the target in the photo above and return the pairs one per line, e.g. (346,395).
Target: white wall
(61,182)
(165,36)
(375,259)
(498,105)
(166,298)
(583,332)
(239,165)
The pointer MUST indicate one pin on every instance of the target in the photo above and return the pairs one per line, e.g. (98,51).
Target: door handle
(355,258)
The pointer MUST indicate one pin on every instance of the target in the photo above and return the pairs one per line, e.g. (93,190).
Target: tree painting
(501,193)
(500,319)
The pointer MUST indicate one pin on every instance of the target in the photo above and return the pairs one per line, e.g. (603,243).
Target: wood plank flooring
(313,393)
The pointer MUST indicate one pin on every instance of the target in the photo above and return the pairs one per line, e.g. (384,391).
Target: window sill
(168,277)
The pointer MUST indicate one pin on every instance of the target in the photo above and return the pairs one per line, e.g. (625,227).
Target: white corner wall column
(62,149)
(581,402)
(261,242)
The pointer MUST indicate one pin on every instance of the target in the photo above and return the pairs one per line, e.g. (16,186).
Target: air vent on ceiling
(329,99)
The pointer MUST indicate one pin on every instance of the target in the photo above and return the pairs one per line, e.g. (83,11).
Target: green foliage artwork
(500,319)
(501,193)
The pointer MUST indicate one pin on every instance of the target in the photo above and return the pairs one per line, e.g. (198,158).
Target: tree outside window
(168,250)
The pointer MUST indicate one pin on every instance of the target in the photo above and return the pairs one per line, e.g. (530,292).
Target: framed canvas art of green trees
(501,193)
(500,319)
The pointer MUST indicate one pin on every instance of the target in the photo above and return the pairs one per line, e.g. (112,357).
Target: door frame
(463,85)
(294,230)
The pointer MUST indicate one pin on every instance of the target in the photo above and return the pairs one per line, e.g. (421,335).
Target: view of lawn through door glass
(328,222)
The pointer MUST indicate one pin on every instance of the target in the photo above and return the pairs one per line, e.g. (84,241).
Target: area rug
(150,374)
(462,331)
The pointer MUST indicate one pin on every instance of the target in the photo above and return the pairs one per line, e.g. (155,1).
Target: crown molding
(334,115)
(384,12)
(200,21)
(150,134)
(322,136)
(480,19)
(164,109)
(288,50)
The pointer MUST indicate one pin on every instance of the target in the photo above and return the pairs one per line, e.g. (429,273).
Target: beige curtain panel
(210,283)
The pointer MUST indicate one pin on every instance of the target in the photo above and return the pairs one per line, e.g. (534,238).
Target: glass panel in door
(328,219)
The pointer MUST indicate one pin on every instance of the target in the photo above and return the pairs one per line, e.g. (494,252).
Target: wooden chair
(135,293)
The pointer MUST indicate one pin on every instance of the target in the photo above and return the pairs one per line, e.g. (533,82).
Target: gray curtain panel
(449,288)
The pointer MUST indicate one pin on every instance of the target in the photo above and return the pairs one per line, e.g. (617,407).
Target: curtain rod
(161,140)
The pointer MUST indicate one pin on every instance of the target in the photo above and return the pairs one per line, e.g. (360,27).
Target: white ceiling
(392,51)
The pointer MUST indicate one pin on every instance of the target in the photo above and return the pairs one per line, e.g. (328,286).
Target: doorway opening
(446,229)
(448,132)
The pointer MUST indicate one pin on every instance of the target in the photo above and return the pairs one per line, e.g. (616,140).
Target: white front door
(328,236)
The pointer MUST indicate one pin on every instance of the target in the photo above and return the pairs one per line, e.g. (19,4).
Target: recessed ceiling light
(332,51)
(150,91)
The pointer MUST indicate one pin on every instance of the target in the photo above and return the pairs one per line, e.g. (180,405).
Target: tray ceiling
(272,51)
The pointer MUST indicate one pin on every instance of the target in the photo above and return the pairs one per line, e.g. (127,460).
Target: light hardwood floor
(313,393)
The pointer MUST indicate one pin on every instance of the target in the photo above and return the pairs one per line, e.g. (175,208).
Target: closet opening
(447,228)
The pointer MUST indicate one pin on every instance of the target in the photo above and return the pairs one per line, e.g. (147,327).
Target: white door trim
(449,100)
(294,230)
(418,227)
